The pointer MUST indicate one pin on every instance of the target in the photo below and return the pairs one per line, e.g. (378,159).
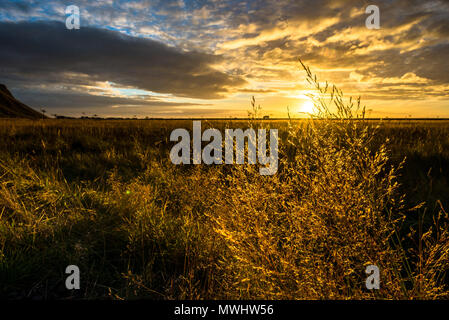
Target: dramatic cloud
(220,52)
(84,101)
(36,51)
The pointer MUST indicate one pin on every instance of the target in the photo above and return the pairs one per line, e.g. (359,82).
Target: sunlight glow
(307,107)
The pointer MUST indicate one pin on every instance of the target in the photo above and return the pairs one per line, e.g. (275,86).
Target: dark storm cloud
(47,50)
(257,40)
(12,7)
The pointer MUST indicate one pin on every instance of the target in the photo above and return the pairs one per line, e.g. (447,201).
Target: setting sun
(307,107)
(244,156)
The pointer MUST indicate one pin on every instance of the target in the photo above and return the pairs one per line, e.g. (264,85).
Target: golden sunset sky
(208,58)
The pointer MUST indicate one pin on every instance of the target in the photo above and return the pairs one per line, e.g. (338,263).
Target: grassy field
(103,195)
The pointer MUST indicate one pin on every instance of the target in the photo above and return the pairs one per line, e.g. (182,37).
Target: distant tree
(43,113)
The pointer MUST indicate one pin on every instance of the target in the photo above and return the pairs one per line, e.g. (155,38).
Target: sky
(185,58)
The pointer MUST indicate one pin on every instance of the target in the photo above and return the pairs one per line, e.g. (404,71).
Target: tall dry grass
(333,208)
(103,195)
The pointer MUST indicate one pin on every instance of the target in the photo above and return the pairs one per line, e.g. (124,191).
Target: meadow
(103,195)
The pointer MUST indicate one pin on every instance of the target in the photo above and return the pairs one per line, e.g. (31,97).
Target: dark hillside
(10,107)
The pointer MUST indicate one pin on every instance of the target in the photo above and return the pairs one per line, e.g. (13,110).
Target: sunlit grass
(103,195)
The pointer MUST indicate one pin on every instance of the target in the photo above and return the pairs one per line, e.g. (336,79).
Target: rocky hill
(10,107)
